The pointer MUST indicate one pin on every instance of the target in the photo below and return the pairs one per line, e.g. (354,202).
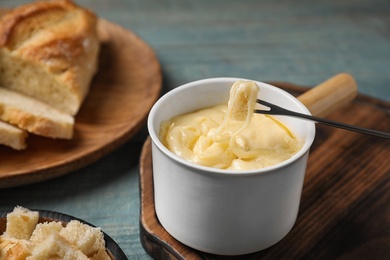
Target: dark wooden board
(127,84)
(345,206)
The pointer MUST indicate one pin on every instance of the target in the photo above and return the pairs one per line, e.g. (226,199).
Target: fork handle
(331,95)
(341,125)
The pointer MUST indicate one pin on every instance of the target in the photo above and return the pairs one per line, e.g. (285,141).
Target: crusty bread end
(49,51)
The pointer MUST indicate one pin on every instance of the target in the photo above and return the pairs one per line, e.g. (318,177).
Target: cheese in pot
(230,136)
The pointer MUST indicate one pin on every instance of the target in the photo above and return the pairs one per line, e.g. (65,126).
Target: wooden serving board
(127,84)
(345,206)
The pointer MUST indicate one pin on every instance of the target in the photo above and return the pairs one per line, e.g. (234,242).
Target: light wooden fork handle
(331,95)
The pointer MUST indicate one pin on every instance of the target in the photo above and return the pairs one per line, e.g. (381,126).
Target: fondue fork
(277,110)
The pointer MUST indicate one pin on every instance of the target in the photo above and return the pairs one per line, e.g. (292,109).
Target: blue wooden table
(302,42)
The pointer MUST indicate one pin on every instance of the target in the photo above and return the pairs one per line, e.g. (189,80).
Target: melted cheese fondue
(230,136)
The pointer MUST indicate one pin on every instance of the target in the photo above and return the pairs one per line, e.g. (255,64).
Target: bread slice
(49,51)
(34,116)
(20,223)
(12,136)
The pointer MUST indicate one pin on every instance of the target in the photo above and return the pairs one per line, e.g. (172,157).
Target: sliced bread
(12,136)
(34,116)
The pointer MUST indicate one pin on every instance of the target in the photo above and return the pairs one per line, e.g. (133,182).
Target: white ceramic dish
(219,211)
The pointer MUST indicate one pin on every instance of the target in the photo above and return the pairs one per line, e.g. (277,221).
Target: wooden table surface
(302,42)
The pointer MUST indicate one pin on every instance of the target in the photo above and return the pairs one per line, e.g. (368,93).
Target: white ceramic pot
(220,211)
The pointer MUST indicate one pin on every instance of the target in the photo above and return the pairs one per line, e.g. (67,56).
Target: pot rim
(225,172)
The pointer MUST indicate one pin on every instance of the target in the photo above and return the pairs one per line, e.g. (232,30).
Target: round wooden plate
(126,86)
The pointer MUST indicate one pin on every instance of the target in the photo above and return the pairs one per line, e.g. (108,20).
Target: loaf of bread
(49,51)
(12,136)
(50,240)
(34,116)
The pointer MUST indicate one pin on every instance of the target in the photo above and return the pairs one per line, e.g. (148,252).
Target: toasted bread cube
(84,237)
(13,249)
(43,230)
(20,223)
(55,247)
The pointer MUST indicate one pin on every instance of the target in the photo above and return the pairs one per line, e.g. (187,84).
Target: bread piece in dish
(34,116)
(21,223)
(43,230)
(29,238)
(15,249)
(12,136)
(49,51)
(55,247)
(86,238)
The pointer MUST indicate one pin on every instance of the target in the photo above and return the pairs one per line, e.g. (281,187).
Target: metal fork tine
(273,109)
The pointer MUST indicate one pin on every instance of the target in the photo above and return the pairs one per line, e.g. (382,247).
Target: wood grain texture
(344,211)
(127,84)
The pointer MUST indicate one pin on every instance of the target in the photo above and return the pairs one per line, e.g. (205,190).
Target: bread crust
(58,37)
(16,15)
